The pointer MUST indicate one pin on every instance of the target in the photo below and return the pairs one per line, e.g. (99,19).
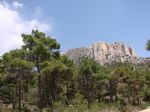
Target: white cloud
(16,4)
(12,26)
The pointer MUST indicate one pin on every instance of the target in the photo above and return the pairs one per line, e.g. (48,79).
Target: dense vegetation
(36,78)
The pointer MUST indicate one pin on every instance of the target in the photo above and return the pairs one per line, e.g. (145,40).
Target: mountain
(105,53)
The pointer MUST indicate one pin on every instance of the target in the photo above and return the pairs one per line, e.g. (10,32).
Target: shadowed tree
(40,48)
(69,79)
(53,73)
(18,72)
(101,83)
(87,69)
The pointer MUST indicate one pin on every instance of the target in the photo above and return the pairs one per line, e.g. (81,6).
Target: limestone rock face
(104,53)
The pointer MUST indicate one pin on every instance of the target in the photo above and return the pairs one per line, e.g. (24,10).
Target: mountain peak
(104,53)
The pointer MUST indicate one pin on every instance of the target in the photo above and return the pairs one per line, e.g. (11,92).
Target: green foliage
(148,45)
(39,46)
(37,76)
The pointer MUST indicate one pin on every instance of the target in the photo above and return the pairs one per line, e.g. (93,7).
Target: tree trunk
(39,84)
(67,90)
(19,107)
(14,99)
(55,86)
(115,91)
(111,97)
(99,98)
(87,90)
(39,94)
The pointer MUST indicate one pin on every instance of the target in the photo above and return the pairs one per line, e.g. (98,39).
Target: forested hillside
(38,78)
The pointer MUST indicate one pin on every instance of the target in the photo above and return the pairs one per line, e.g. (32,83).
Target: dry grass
(5,108)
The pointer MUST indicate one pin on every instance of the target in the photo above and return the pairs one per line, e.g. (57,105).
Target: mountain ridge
(106,53)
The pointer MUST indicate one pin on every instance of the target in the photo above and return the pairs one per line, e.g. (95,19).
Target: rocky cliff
(104,53)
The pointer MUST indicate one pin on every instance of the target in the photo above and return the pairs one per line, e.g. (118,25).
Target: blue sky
(76,23)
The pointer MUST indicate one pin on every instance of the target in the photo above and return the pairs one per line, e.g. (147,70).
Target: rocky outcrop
(104,53)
